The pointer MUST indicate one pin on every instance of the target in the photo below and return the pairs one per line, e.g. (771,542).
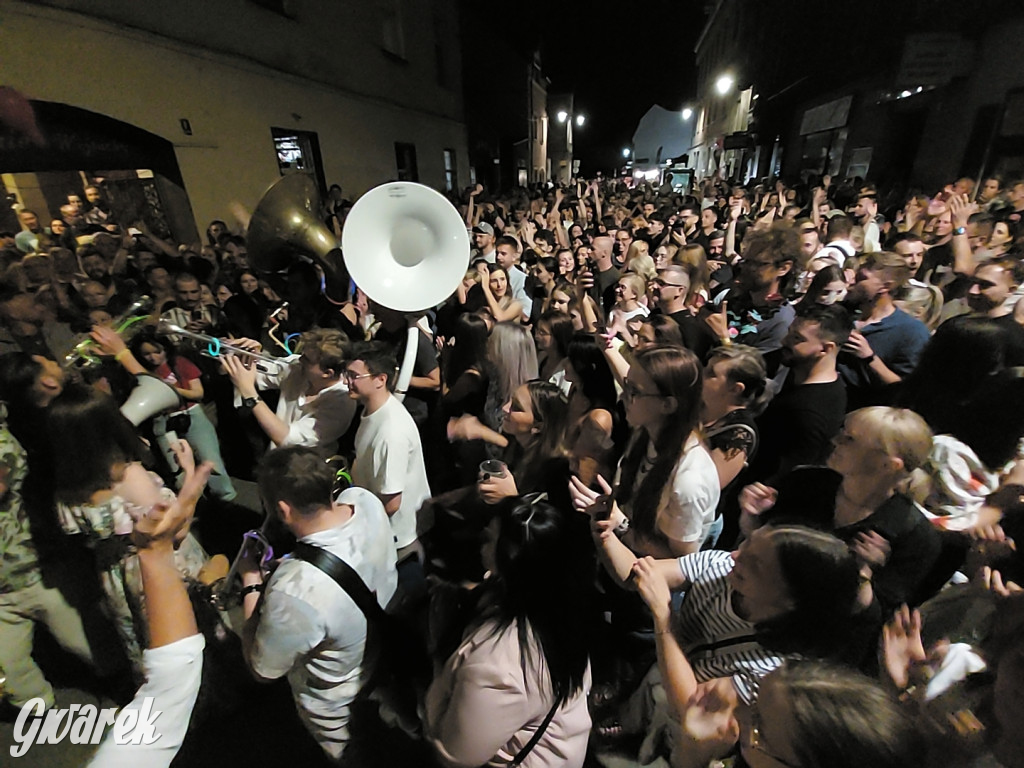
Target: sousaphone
(404,245)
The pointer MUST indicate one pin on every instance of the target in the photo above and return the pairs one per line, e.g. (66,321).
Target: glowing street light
(563,116)
(724,84)
(687,113)
(580,120)
(625,152)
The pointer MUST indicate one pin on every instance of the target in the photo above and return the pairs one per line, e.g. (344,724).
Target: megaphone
(149,397)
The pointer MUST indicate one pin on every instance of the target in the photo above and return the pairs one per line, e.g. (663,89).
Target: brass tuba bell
(286,226)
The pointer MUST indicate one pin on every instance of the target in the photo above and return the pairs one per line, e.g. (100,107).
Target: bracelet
(869,360)
(248,590)
(121,354)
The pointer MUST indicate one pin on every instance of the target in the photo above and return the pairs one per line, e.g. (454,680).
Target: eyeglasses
(760,264)
(350,376)
(757,740)
(632,391)
(662,284)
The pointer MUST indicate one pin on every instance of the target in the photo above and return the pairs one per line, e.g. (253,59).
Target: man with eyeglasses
(389,454)
(670,290)
(755,309)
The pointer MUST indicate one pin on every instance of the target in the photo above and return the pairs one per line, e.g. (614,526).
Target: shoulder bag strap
(538,734)
(343,574)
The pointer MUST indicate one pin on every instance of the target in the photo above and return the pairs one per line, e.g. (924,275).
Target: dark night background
(617,58)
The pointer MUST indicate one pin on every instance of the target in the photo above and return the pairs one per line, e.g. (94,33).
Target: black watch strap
(249,402)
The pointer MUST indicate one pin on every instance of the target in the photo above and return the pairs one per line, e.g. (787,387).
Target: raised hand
(901,647)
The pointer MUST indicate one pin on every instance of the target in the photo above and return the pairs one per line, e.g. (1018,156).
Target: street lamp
(625,152)
(687,113)
(562,116)
(724,84)
(580,120)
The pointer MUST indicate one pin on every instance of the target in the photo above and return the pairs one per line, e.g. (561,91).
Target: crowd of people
(726,475)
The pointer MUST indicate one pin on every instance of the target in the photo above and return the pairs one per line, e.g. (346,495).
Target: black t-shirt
(915,546)
(938,260)
(798,426)
(697,334)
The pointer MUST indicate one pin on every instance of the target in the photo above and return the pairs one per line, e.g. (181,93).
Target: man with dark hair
(865,211)
(838,248)
(305,626)
(189,311)
(994,294)
(506,252)
(389,455)
(888,342)
(990,191)
(545,241)
(800,422)
(754,310)
(911,247)
(33,237)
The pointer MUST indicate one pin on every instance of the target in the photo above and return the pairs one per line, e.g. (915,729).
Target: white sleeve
(164,703)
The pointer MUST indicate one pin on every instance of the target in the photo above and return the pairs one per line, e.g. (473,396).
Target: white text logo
(83,724)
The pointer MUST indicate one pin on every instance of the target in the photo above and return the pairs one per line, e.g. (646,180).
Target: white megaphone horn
(150,397)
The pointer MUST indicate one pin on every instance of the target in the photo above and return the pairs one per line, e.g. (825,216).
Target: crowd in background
(731,472)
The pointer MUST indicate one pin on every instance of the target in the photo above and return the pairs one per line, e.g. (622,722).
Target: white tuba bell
(404,245)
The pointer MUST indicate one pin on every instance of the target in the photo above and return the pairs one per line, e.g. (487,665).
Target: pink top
(481,709)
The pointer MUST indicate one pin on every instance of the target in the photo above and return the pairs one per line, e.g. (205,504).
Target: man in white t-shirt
(305,626)
(389,455)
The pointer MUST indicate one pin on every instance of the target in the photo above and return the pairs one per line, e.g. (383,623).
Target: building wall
(999,68)
(231,102)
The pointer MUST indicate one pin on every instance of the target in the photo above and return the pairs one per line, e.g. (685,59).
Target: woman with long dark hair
(964,389)
(668,486)
(553,333)
(522,667)
(101,488)
(787,590)
(465,377)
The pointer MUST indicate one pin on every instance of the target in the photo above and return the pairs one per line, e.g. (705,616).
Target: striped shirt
(717,642)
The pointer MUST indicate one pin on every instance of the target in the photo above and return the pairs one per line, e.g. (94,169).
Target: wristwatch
(249,402)
(960,231)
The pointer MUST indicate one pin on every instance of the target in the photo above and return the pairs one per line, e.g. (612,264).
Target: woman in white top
(667,487)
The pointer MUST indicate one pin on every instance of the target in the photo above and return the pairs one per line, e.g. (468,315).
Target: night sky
(617,58)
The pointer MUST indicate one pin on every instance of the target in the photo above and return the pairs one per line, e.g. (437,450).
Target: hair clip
(532,499)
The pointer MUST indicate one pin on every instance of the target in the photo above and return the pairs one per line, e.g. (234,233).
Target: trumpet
(125,325)
(256,543)
(216,348)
